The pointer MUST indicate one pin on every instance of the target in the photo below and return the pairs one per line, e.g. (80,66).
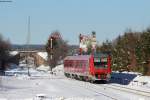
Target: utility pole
(51,48)
(28,36)
(27,44)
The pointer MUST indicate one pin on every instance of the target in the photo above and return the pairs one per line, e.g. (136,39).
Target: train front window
(100,62)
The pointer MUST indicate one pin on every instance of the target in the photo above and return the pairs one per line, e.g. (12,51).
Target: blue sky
(108,18)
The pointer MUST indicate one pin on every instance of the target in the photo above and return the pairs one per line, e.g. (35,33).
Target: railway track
(127,89)
(91,87)
(95,87)
(101,93)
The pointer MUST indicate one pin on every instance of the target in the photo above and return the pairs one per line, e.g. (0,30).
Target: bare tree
(4,53)
(56,48)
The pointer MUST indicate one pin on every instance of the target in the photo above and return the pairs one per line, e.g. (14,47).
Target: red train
(88,67)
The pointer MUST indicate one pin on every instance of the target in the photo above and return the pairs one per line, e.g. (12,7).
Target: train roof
(101,55)
(78,57)
(86,57)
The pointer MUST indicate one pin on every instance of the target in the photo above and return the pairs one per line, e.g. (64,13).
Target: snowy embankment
(131,80)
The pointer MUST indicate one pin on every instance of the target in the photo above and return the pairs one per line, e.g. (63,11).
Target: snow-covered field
(17,85)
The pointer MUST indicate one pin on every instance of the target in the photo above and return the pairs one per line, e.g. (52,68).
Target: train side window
(87,63)
(66,65)
(81,64)
(73,64)
(76,64)
(70,63)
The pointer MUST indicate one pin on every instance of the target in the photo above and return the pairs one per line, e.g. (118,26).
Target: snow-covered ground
(17,85)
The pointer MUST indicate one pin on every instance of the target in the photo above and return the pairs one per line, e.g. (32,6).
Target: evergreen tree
(124,51)
(145,54)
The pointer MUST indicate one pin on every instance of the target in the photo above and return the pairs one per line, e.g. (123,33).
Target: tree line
(130,51)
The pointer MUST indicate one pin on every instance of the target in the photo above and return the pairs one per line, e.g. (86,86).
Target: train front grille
(100,76)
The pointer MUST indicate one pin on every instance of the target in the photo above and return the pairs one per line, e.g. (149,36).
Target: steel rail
(91,88)
(126,89)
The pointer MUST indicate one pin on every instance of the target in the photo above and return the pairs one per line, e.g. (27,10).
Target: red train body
(88,67)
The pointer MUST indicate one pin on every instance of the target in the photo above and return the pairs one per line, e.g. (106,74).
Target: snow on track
(111,94)
(127,89)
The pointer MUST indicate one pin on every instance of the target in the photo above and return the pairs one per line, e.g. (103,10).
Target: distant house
(40,58)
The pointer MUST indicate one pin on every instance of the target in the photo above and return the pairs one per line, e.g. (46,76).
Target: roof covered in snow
(13,53)
(44,55)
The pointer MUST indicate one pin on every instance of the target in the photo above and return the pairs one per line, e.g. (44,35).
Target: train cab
(101,68)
